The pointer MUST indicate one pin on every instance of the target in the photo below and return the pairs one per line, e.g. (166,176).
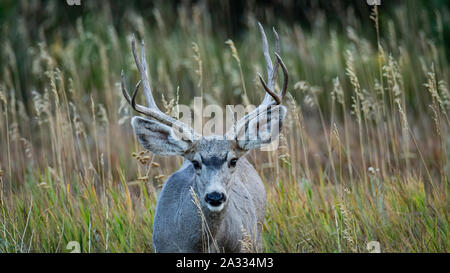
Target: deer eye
(233,162)
(196,164)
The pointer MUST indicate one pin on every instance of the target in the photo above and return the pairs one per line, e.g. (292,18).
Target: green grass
(364,153)
(300,218)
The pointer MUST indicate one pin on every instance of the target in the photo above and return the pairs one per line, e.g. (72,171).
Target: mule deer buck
(216,201)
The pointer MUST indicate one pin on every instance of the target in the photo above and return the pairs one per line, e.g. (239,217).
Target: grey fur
(233,223)
(177,224)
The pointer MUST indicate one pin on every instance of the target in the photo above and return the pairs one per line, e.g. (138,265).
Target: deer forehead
(212,150)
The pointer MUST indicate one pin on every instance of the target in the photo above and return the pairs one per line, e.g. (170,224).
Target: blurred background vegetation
(364,154)
(27,24)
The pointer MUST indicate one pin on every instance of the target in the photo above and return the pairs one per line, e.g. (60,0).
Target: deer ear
(261,130)
(158,137)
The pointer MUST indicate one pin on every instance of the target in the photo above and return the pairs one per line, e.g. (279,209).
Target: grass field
(365,149)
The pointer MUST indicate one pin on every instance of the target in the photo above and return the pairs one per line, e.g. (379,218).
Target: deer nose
(215,198)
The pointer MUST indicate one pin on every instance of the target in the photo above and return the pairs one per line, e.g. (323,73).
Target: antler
(271,98)
(153,110)
(272,72)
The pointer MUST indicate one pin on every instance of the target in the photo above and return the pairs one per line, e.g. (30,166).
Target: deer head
(215,159)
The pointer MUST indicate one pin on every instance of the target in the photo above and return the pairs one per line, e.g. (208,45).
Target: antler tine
(142,68)
(124,89)
(144,62)
(132,100)
(265,47)
(280,97)
(285,76)
(269,91)
(273,77)
(277,40)
(133,97)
